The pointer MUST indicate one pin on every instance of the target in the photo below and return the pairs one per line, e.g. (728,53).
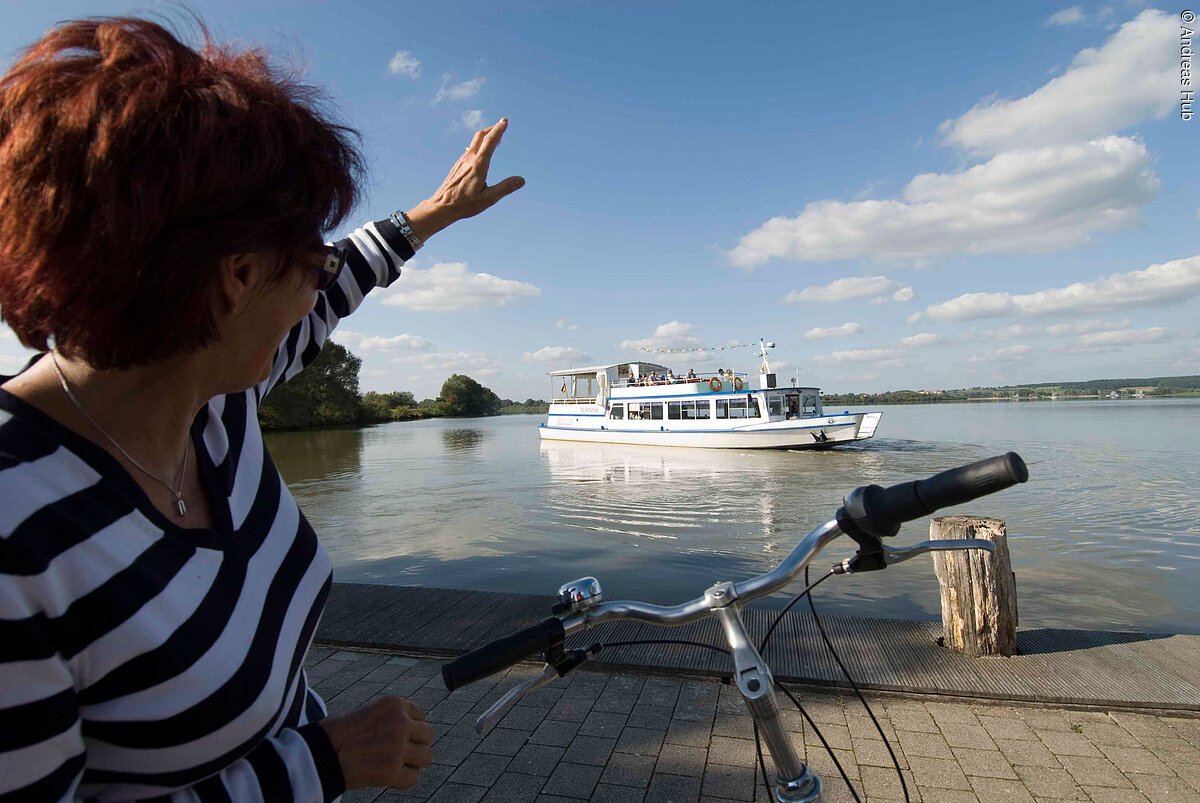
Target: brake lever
(886,555)
(499,708)
(901,554)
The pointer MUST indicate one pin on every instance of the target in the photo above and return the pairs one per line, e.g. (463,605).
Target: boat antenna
(762,353)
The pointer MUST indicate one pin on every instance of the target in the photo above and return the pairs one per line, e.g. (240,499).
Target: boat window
(673,411)
(722,408)
(702,409)
(618,411)
(752,407)
(656,410)
(793,405)
(737,408)
(810,404)
(775,405)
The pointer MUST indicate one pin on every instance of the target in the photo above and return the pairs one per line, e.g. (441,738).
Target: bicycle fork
(796,783)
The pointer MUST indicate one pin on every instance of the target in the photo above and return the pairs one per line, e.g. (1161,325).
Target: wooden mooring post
(979,594)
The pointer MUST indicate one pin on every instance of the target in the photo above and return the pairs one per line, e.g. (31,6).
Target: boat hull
(811,433)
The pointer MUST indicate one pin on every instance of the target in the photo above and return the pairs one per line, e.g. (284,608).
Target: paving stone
(1041,719)
(735,752)
(677,759)
(874,753)
(823,765)
(1033,754)
(1135,759)
(938,795)
(524,717)
(624,769)
(930,745)
(555,732)
(958,734)
(453,749)
(610,793)
(615,703)
(573,780)
(882,784)
(1110,733)
(912,718)
(984,763)
(570,709)
(1050,782)
(999,790)
(836,736)
(480,769)
(659,691)
(1138,724)
(449,711)
(625,683)
(504,742)
(657,717)
(512,787)
(361,795)
(951,714)
(939,772)
(640,741)
(590,750)
(673,789)
(1167,790)
(1007,728)
(694,734)
(1088,771)
(1100,794)
(536,759)
(733,783)
(599,723)
(864,728)
(458,793)
(1069,744)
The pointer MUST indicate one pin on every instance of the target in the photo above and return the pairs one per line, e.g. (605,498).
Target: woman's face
(252,335)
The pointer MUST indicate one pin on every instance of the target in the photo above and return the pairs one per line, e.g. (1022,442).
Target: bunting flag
(699,348)
(564,387)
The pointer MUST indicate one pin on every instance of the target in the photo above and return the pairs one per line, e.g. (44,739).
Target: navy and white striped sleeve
(376,252)
(42,751)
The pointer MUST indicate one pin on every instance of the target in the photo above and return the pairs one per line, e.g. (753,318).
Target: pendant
(182,506)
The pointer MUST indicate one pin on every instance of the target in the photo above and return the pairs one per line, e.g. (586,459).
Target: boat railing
(575,400)
(679,380)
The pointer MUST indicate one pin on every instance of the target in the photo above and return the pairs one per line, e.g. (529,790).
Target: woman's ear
(241,277)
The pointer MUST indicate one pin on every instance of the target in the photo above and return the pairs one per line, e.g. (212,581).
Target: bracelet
(401,221)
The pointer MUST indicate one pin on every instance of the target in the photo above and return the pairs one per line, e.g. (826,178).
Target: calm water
(1106,534)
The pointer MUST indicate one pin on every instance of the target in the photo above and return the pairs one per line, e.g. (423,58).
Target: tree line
(326,394)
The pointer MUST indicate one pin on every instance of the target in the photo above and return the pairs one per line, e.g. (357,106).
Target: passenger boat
(644,403)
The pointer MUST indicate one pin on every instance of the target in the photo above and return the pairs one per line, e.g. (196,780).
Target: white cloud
(671,335)
(472,363)
(821,332)
(459,91)
(1019,201)
(845,289)
(405,63)
(405,341)
(1135,72)
(1006,354)
(1008,332)
(472,118)
(884,357)
(1158,285)
(903,294)
(1068,16)
(919,340)
(449,286)
(1124,337)
(555,354)
(1081,327)
(564,324)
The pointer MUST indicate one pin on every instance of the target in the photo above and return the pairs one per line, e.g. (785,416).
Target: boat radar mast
(762,353)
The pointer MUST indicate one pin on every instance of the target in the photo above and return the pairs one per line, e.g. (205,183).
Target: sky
(920,195)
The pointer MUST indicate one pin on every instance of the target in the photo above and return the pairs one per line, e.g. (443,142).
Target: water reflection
(462,440)
(304,457)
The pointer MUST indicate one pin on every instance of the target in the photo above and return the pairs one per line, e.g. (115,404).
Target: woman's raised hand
(384,743)
(465,192)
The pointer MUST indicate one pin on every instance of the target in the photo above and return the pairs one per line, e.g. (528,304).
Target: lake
(1105,535)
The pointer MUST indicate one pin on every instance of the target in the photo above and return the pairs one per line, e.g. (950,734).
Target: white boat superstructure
(645,403)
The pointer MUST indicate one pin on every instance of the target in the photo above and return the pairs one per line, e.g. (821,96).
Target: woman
(160,220)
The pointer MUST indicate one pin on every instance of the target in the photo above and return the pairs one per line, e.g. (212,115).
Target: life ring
(715,384)
(737,383)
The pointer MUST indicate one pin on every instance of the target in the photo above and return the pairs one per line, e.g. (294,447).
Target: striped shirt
(142,660)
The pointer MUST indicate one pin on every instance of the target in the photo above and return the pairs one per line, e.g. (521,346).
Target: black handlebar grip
(503,653)
(879,512)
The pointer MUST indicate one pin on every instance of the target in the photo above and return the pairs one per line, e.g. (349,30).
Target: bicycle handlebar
(869,512)
(879,512)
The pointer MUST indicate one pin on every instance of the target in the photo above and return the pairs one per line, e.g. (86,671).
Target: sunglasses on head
(328,261)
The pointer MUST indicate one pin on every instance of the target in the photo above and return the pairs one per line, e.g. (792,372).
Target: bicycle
(868,515)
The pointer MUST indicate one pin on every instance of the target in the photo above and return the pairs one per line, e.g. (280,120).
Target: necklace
(177,491)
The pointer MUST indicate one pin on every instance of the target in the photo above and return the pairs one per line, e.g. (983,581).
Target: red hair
(130,164)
